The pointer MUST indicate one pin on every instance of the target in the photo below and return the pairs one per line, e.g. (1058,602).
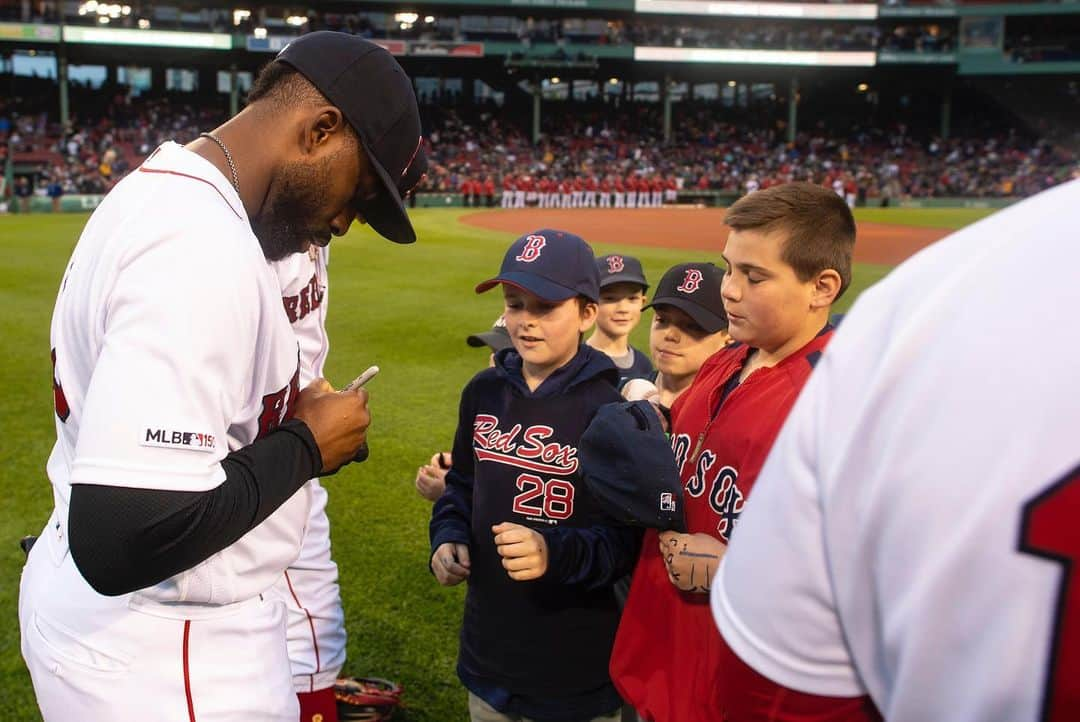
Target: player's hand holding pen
(338,420)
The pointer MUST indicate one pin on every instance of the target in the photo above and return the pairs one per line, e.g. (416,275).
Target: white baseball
(640,390)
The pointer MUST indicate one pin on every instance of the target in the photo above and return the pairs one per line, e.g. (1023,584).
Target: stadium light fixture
(144,24)
(429,19)
(731,83)
(125,10)
(103,19)
(296,20)
(613,81)
(239,16)
(862,87)
(406,20)
(555,81)
(260,33)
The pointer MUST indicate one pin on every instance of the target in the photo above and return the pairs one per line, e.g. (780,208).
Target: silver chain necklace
(228,158)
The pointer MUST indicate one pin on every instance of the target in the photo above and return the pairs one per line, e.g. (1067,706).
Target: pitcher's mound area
(691,228)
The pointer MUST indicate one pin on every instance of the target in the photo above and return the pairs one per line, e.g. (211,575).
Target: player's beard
(288,219)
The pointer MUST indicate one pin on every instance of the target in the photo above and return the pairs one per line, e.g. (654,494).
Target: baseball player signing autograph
(184,442)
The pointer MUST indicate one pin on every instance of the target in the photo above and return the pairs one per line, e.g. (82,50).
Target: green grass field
(405,308)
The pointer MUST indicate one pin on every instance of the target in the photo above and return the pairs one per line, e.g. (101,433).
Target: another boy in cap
(788,258)
(516,519)
(431,477)
(622,294)
(689,325)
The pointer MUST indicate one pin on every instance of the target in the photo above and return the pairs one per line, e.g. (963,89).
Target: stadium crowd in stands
(481,151)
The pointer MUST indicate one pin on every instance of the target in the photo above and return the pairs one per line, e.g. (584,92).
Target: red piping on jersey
(144,169)
(187,672)
(311,623)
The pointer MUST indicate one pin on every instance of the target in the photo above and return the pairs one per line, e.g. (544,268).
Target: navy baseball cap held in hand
(695,289)
(628,465)
(616,268)
(551,265)
(371,90)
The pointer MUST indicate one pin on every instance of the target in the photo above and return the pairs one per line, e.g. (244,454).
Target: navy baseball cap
(616,268)
(549,264)
(695,289)
(496,339)
(376,97)
(628,465)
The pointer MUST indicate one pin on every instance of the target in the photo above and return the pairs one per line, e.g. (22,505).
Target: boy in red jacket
(788,259)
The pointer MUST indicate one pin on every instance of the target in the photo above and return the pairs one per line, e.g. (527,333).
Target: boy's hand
(431,478)
(524,551)
(451,564)
(691,559)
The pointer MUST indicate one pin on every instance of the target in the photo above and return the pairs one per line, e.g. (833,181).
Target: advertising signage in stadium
(155,38)
(757,57)
(447,49)
(818,10)
(28,32)
(435,48)
(567,4)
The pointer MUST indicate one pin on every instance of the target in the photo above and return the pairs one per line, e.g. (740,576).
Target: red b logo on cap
(692,282)
(615,264)
(533,246)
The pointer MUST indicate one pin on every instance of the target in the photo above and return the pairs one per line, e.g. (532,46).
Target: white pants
(671,195)
(605,200)
(507,199)
(126,659)
(575,199)
(631,199)
(309,590)
(620,200)
(643,199)
(519,199)
(590,199)
(657,198)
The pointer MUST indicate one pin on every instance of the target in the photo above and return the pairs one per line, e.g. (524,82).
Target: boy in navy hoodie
(516,520)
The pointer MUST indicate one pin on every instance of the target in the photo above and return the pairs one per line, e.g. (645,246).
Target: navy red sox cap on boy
(376,97)
(552,265)
(616,268)
(695,289)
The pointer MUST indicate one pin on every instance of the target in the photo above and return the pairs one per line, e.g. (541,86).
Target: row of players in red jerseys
(629,184)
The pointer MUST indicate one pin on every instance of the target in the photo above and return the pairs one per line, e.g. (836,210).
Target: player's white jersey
(164,364)
(302,277)
(913,530)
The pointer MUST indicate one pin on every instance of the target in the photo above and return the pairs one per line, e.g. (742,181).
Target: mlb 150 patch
(166,439)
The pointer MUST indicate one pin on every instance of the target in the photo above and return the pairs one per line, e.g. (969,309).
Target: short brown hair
(819,227)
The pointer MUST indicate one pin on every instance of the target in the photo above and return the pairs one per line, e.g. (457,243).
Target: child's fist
(523,550)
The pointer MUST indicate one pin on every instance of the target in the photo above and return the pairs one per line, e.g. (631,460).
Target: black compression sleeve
(124,538)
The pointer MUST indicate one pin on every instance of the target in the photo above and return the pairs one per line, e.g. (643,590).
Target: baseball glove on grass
(366,699)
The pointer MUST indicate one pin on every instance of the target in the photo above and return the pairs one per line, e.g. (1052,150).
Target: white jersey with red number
(309,587)
(913,531)
(170,350)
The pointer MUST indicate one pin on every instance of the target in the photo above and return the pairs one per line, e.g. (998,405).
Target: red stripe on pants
(187,672)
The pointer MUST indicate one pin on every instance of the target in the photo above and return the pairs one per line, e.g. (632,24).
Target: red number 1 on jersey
(1050,528)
